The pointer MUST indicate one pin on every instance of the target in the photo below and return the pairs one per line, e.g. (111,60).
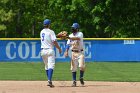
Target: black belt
(44,48)
(77,50)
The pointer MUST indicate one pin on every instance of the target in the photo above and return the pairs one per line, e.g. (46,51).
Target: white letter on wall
(8,52)
(20,50)
(33,55)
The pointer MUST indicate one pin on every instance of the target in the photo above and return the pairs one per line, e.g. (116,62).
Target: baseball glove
(62,35)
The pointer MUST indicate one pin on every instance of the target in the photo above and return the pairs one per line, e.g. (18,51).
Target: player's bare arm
(57,46)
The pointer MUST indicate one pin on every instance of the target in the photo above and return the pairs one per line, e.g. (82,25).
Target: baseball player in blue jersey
(75,43)
(48,40)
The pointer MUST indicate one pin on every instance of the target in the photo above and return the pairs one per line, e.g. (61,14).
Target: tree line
(97,18)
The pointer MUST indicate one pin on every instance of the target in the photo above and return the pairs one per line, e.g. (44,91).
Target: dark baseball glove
(62,35)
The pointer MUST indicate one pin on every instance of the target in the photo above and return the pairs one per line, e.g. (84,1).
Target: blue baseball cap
(46,22)
(75,26)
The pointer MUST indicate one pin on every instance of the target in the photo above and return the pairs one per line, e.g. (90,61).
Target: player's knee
(51,66)
(73,69)
(46,67)
(82,68)
(82,56)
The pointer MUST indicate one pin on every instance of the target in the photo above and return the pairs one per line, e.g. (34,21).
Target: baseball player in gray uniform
(75,43)
(48,40)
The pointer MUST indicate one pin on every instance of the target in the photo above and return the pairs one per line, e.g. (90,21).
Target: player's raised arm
(74,38)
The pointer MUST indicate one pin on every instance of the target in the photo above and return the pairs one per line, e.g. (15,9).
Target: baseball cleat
(82,81)
(74,84)
(50,84)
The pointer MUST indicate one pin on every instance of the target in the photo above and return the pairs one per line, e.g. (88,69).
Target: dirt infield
(65,87)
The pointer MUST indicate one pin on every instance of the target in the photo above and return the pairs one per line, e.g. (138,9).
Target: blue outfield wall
(99,50)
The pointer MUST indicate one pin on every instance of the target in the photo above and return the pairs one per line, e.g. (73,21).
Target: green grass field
(96,71)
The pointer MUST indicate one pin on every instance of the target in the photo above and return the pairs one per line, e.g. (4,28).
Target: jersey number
(43,35)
